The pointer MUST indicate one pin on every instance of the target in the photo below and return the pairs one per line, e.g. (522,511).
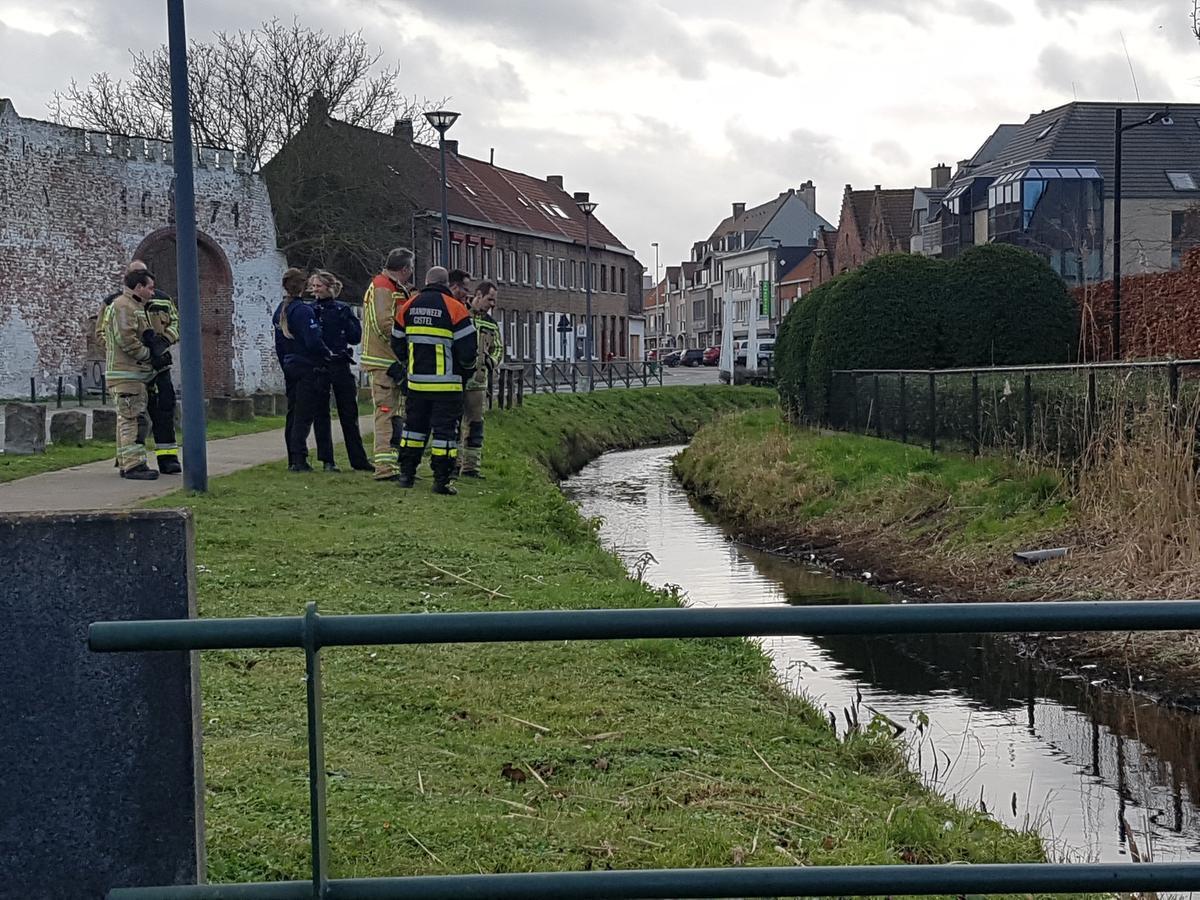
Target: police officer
(341,330)
(382,300)
(131,366)
(490,355)
(434,334)
(305,359)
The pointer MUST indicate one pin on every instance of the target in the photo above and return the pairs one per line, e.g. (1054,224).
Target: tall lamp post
(657,297)
(195,455)
(587,207)
(1164,116)
(441,120)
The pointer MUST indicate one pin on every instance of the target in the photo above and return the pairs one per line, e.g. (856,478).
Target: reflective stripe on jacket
(128,359)
(490,351)
(434,335)
(380,305)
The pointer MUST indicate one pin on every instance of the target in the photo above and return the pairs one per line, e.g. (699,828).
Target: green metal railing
(311,632)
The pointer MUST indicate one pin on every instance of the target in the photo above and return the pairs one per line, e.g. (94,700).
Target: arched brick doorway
(158,250)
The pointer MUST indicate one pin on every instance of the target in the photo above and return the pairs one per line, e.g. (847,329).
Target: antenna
(1132,74)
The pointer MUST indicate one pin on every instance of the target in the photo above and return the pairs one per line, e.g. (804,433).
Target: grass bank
(522,757)
(946,522)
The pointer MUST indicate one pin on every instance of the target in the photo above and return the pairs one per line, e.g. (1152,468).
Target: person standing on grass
(131,366)
(341,330)
(489,356)
(388,290)
(304,358)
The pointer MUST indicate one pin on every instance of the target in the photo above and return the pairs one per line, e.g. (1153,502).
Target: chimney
(582,196)
(492,157)
(878,188)
(318,106)
(556,180)
(964,165)
(808,194)
(403,129)
(738,209)
(452,147)
(939,176)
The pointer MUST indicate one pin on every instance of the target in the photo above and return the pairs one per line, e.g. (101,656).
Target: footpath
(98,486)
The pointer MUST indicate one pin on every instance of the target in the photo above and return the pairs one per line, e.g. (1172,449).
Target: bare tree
(1196,18)
(249,89)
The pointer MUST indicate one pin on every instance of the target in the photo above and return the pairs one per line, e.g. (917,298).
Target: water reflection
(1080,761)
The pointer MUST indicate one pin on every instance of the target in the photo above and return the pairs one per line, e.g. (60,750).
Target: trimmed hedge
(793,342)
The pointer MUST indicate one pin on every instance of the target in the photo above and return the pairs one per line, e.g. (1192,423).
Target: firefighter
(381,302)
(490,355)
(434,334)
(341,330)
(131,366)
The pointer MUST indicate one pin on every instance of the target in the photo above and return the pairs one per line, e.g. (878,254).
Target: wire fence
(1045,411)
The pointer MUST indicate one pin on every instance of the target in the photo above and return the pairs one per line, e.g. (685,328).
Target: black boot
(169,465)
(140,473)
(331,467)
(442,472)
(299,464)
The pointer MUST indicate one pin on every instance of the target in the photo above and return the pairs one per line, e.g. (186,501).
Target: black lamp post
(587,208)
(442,119)
(1119,132)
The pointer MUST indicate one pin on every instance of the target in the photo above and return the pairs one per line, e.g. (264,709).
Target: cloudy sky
(669,110)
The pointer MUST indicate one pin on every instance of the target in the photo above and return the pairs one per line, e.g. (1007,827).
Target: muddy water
(1084,763)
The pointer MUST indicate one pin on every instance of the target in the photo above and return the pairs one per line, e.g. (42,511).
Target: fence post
(32,390)
(521,387)
(79,389)
(645,374)
(1028,412)
(316,754)
(932,412)
(103,390)
(610,371)
(1173,382)
(976,427)
(512,389)
(591,379)
(490,385)
(878,413)
(58,395)
(903,409)
(854,405)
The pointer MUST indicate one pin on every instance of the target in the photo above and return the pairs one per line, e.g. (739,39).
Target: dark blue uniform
(341,330)
(304,359)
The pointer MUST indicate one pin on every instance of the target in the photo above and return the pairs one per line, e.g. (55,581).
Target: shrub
(794,341)
(1006,306)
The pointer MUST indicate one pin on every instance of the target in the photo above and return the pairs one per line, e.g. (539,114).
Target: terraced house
(343,195)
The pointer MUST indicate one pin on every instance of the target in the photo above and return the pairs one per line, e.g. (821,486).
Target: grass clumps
(501,758)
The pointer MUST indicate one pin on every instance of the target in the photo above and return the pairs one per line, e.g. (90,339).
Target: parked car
(672,358)
(692,357)
(712,356)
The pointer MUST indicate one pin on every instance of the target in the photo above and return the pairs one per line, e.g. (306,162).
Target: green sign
(764,299)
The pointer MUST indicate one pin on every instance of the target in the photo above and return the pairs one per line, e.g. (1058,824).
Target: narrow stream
(1079,761)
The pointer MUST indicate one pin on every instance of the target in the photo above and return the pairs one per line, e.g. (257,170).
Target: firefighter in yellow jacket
(386,294)
(131,367)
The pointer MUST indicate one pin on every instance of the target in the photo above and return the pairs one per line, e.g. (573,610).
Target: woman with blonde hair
(304,358)
(341,330)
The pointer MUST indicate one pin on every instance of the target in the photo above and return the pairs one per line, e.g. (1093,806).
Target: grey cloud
(891,153)
(989,12)
(1101,77)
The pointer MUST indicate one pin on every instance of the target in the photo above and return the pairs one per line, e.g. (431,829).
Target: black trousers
(289,390)
(310,412)
(161,408)
(431,417)
(345,397)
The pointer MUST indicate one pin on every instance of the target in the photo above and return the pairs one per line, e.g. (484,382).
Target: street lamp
(442,119)
(657,297)
(587,207)
(1164,116)
(819,253)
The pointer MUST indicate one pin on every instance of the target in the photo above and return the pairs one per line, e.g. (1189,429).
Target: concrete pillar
(24,429)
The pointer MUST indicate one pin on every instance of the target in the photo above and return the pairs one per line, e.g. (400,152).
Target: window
(551,281)
(455,255)
(593,284)
(466,187)
(558,210)
(436,259)
(472,260)
(1045,132)
(524,268)
(1183,181)
(499,264)
(574,274)
(1185,235)
(562,274)
(604,278)
(486,272)
(524,202)
(512,266)
(541,275)
(622,279)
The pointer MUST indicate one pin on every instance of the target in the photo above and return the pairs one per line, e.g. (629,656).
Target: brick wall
(75,207)
(1160,314)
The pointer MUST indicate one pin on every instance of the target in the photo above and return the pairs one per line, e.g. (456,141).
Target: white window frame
(472,266)
(551,281)
(524,268)
(485,261)
(539,265)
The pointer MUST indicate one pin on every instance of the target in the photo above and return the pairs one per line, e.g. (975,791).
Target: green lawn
(630,753)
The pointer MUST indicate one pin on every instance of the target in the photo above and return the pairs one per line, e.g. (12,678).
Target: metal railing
(1045,410)
(518,378)
(75,389)
(312,632)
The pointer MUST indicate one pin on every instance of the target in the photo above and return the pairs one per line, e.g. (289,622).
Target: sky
(669,111)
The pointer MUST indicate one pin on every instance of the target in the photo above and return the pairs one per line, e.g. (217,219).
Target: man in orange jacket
(383,299)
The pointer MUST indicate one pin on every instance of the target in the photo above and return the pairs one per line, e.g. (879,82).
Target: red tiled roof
(896,208)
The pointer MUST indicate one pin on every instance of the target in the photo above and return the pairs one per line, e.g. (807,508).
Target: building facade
(76,206)
(373,191)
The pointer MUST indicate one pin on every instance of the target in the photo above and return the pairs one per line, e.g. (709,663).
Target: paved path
(98,486)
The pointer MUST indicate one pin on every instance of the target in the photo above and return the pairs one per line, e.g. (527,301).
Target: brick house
(76,206)
(873,223)
(371,191)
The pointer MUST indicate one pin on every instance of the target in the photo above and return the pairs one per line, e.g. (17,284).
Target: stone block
(264,404)
(68,427)
(241,409)
(24,428)
(364,395)
(104,424)
(218,408)
(281,404)
(100,765)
